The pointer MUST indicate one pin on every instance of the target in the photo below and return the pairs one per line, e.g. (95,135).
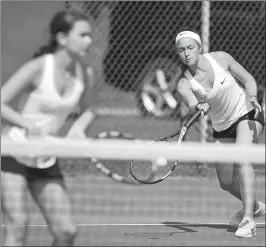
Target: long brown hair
(62,21)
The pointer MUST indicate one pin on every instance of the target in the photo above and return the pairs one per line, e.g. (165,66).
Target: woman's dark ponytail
(49,48)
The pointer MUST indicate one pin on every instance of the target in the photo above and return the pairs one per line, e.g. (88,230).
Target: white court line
(145,224)
(104,177)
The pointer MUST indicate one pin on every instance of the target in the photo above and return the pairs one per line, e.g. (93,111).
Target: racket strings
(148,171)
(151,171)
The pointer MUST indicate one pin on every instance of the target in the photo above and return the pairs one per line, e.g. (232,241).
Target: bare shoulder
(220,55)
(33,67)
(28,71)
(22,79)
(37,63)
(183,84)
(223,58)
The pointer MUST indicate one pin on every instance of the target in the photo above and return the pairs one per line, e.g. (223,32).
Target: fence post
(205,32)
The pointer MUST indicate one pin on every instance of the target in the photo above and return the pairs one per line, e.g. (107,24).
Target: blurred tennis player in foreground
(217,81)
(43,93)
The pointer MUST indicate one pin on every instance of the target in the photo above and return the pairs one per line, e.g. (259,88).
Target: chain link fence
(134,50)
(239,28)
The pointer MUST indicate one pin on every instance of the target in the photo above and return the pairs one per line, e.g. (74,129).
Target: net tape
(135,149)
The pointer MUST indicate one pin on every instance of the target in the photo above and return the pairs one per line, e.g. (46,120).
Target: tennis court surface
(176,212)
(182,210)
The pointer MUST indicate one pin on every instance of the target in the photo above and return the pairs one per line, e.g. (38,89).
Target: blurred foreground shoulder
(23,78)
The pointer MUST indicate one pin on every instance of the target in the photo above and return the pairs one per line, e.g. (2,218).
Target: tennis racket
(152,172)
(117,170)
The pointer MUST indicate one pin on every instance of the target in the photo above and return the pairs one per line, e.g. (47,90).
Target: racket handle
(189,122)
(192,119)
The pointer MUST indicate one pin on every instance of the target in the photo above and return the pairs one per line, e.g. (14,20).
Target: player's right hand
(203,107)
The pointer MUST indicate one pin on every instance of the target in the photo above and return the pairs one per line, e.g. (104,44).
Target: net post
(205,33)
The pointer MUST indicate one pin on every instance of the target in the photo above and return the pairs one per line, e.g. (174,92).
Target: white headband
(188,34)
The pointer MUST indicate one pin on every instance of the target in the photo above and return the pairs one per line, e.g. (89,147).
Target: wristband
(200,103)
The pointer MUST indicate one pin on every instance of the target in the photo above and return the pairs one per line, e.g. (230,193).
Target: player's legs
(229,181)
(13,201)
(51,196)
(248,132)
(227,173)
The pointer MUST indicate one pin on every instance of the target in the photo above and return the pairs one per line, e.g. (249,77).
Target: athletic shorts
(9,164)
(231,131)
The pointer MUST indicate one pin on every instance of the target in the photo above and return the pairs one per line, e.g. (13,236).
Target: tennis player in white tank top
(215,82)
(43,93)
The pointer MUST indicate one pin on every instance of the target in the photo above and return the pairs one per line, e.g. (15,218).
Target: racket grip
(192,119)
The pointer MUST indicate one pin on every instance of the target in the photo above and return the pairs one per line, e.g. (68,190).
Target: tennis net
(186,208)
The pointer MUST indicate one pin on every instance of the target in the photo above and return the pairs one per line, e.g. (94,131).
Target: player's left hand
(255,104)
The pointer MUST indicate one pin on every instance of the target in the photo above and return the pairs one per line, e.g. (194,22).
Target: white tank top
(46,108)
(227,99)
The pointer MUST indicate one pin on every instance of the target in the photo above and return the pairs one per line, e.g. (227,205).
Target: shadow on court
(186,226)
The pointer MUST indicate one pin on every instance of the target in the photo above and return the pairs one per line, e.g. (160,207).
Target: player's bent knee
(16,228)
(65,233)
(244,166)
(17,220)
